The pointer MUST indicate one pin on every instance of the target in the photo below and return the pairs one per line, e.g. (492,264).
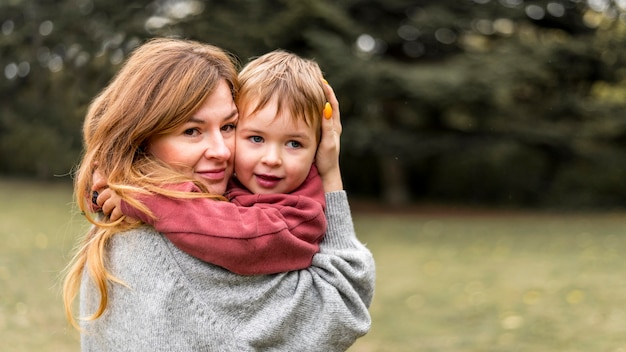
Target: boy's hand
(327,158)
(110,202)
(99,182)
(105,198)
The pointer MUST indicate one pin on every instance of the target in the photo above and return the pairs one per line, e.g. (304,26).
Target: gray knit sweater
(174,302)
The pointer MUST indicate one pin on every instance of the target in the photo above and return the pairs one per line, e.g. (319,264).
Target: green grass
(483,282)
(497,283)
(37,233)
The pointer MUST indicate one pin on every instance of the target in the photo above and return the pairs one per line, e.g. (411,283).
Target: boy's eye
(256,139)
(294,144)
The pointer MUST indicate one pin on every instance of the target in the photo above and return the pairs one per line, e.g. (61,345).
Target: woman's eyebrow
(232,114)
(228,117)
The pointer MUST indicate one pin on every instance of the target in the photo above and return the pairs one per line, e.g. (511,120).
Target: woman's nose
(218,148)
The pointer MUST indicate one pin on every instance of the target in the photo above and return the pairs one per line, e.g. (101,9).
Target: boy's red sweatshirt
(251,234)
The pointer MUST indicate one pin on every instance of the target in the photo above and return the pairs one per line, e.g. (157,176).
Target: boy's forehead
(279,112)
(251,108)
(269,119)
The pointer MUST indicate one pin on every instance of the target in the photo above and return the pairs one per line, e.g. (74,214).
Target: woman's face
(204,146)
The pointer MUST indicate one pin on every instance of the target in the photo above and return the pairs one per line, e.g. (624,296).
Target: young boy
(280,102)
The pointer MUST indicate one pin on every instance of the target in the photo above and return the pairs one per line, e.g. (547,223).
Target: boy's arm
(271,234)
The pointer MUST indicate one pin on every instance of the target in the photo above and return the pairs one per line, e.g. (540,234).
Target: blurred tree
(56,55)
(501,101)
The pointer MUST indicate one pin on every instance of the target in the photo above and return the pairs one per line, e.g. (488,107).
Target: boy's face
(273,153)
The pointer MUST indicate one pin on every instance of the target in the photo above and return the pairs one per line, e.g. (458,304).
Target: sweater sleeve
(255,234)
(321,308)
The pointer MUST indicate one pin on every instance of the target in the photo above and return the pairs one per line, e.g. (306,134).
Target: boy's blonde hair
(295,82)
(162,84)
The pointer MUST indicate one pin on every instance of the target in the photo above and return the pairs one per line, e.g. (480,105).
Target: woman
(142,293)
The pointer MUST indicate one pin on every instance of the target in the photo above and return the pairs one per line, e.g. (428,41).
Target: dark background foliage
(491,102)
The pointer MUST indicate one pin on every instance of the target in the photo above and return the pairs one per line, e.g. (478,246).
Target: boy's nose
(272,157)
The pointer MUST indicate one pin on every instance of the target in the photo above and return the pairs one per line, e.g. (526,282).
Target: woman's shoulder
(154,286)
(138,240)
(134,254)
(146,254)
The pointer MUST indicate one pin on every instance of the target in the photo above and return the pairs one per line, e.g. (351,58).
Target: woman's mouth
(212,175)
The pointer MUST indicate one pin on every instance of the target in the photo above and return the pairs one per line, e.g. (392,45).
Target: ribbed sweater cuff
(340,232)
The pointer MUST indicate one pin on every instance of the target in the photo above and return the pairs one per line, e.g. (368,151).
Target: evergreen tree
(499,101)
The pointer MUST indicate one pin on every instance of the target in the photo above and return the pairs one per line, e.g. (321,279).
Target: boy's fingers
(99,181)
(103,196)
(116,214)
(107,208)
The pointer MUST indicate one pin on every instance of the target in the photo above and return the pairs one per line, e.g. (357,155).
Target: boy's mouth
(267,181)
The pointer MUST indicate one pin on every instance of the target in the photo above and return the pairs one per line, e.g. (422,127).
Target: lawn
(37,230)
(497,282)
(446,281)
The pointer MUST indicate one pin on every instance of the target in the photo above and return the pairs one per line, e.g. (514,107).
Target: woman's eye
(256,139)
(191,132)
(229,127)
(294,144)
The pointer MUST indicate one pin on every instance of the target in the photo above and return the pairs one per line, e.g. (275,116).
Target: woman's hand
(327,158)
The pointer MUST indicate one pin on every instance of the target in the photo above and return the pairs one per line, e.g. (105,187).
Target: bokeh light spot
(575,297)
(45,28)
(366,43)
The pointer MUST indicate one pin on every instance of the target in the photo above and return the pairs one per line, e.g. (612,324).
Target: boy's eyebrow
(291,135)
(250,130)
(298,135)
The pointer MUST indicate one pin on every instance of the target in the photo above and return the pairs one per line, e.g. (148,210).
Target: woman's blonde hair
(295,82)
(160,86)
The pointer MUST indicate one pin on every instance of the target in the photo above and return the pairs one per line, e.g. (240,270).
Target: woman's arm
(321,308)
